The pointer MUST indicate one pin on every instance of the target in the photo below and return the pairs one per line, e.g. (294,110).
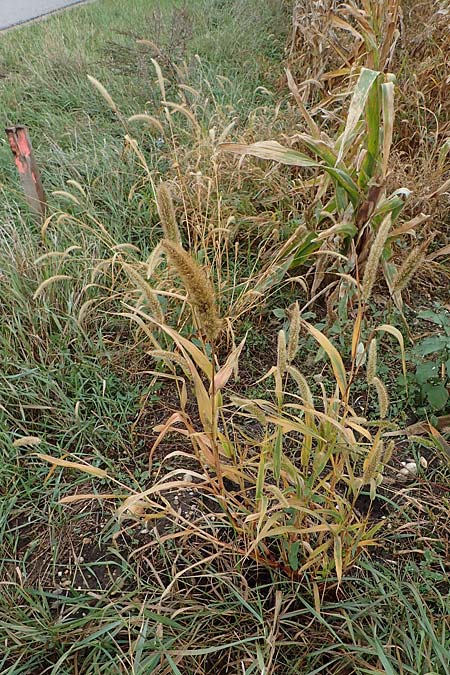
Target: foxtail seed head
(371,368)
(370,273)
(300,381)
(199,288)
(294,332)
(148,294)
(410,265)
(166,213)
(372,461)
(281,355)
(387,454)
(383,396)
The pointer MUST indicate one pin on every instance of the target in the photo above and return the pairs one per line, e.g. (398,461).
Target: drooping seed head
(300,380)
(409,267)
(373,261)
(148,294)
(166,213)
(371,368)
(199,288)
(383,396)
(294,332)
(372,461)
(281,353)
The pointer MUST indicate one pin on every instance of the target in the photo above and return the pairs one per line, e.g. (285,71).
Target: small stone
(403,475)
(409,470)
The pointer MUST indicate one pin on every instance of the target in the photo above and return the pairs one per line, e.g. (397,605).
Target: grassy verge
(165,586)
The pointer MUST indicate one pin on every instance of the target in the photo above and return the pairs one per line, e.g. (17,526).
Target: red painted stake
(25,162)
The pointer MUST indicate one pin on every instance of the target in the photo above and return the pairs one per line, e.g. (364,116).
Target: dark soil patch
(63,555)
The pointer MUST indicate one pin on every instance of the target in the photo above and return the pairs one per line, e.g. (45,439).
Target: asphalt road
(13,12)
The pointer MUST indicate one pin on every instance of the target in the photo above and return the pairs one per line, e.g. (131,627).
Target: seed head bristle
(410,265)
(371,368)
(372,461)
(281,353)
(387,454)
(383,396)
(294,332)
(199,288)
(370,273)
(147,291)
(300,381)
(166,213)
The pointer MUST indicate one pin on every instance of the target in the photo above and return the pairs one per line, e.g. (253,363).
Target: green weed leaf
(437,394)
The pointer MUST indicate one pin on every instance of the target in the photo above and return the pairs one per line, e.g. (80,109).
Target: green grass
(81,592)
(74,134)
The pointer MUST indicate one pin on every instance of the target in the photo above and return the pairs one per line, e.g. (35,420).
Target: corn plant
(329,39)
(350,188)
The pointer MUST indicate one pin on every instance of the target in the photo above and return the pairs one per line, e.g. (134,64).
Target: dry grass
(246,531)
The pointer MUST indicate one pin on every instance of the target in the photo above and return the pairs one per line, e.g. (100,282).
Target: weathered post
(25,162)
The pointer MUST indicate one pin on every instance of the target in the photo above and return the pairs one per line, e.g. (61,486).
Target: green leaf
(277,454)
(437,395)
(341,199)
(320,148)
(173,665)
(338,557)
(344,179)
(304,250)
(393,204)
(387,91)
(427,371)
(431,345)
(293,555)
(434,317)
(443,153)
(272,150)
(357,105)
(370,164)
(279,313)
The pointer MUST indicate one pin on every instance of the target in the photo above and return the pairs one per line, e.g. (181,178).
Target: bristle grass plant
(294,485)
(161,511)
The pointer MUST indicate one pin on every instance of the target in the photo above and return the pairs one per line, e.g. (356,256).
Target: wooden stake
(25,162)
